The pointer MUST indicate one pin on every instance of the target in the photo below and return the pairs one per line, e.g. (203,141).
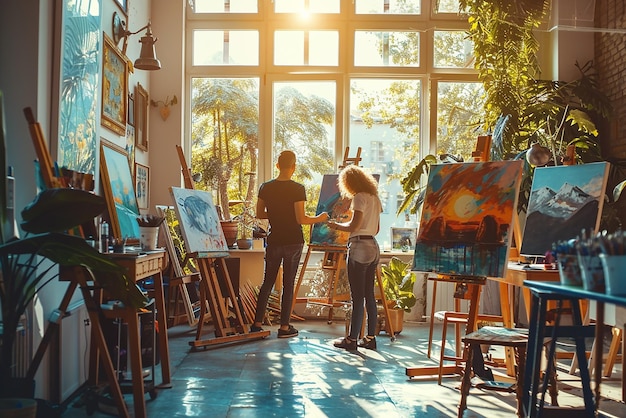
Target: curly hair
(354,179)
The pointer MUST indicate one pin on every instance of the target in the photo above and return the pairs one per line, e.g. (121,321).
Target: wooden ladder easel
(334,261)
(221,298)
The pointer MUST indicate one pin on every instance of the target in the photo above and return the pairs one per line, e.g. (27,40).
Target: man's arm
(304,219)
(261,209)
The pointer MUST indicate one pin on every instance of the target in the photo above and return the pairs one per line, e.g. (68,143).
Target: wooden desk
(475,285)
(542,292)
(515,276)
(141,266)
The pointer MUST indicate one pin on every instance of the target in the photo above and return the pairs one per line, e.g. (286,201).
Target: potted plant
(398,281)
(24,270)
(246,223)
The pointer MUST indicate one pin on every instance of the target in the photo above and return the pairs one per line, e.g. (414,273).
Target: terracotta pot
(230,232)
(396,318)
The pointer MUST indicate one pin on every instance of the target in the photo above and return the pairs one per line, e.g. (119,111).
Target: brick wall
(610,62)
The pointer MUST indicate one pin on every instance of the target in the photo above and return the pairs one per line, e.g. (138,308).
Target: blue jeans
(289,256)
(361,277)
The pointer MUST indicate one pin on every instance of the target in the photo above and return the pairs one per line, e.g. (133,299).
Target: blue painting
(338,208)
(465,227)
(563,201)
(78,85)
(119,191)
(199,222)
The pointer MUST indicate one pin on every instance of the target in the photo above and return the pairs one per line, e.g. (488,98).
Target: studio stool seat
(515,338)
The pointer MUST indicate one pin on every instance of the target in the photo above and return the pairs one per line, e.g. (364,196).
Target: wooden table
(542,292)
(475,285)
(515,276)
(140,266)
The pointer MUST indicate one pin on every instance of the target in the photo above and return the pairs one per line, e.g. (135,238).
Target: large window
(320,76)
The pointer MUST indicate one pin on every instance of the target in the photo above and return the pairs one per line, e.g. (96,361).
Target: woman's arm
(349,226)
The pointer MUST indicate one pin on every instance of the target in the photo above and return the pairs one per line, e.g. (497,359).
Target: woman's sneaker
(346,343)
(368,342)
(287,333)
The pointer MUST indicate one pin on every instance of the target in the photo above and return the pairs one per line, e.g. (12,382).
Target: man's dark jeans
(289,256)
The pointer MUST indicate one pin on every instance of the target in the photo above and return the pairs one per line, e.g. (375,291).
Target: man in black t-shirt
(281,201)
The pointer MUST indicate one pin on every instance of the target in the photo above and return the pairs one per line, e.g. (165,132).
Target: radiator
(22,354)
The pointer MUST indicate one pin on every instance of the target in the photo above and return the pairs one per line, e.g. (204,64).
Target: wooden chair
(515,338)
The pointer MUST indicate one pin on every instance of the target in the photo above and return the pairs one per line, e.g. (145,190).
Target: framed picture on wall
(403,239)
(119,191)
(142,185)
(123,5)
(141,117)
(131,109)
(114,88)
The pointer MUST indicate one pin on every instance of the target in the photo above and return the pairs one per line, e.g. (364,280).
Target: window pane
(387,112)
(394,49)
(447,6)
(453,49)
(218,47)
(306,48)
(459,110)
(225,6)
(224,137)
(387,6)
(299,6)
(304,121)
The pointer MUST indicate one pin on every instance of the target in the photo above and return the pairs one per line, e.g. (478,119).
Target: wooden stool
(506,337)
(458,319)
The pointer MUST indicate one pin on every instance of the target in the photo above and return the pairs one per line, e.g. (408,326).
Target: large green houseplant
(23,266)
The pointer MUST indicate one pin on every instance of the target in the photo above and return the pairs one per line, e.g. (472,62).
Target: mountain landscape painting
(465,227)
(563,201)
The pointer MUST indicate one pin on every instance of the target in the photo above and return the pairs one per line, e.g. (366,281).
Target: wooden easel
(334,261)
(221,299)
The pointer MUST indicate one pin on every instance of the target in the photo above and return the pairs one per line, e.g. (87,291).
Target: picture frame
(142,185)
(123,6)
(79,58)
(131,109)
(119,191)
(141,117)
(403,239)
(114,109)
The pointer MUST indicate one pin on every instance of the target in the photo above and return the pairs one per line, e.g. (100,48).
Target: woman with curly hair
(363,252)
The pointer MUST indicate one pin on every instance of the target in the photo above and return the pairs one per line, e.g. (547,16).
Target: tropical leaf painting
(79,80)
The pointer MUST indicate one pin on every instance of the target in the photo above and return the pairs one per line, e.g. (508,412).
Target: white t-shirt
(371,208)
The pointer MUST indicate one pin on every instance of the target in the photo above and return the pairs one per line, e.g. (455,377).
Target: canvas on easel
(467,216)
(199,222)
(338,208)
(563,201)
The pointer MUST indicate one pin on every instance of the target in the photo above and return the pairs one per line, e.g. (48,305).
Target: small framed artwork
(403,239)
(114,88)
(119,191)
(141,117)
(123,5)
(142,185)
(131,109)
